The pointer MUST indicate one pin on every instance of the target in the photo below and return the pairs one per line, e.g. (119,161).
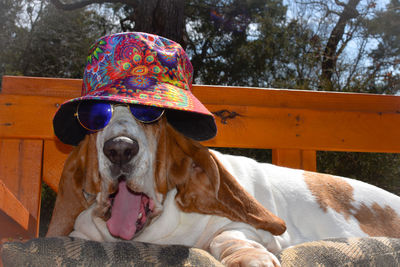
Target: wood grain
(20,172)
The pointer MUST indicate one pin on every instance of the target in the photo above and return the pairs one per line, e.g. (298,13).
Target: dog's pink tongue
(124,213)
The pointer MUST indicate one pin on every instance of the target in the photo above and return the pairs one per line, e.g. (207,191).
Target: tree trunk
(330,54)
(161,17)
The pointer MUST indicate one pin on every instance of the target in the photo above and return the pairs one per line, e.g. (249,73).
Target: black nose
(120,150)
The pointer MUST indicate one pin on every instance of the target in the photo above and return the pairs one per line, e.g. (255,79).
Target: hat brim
(187,115)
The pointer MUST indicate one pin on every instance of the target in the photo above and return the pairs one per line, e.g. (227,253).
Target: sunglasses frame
(112,105)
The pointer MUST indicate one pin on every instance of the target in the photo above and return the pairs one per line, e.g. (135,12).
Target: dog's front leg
(234,248)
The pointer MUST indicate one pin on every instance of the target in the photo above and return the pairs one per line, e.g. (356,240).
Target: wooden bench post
(20,178)
(294,158)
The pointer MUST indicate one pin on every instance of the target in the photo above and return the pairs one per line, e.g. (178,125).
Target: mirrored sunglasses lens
(146,113)
(94,116)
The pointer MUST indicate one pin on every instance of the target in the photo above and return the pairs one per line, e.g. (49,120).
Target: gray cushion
(363,252)
(66,251)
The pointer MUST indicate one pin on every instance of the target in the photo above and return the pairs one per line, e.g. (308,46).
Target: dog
(169,189)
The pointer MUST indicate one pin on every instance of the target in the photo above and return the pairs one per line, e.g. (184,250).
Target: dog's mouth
(129,212)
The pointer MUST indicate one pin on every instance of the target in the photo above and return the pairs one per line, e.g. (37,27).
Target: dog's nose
(120,150)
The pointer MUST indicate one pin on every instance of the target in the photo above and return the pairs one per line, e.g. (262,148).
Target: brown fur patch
(331,192)
(378,221)
(336,193)
(81,172)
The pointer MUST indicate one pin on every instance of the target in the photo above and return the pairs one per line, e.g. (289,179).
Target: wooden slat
(55,154)
(224,95)
(20,171)
(27,116)
(254,127)
(263,127)
(298,159)
(12,207)
(12,229)
(19,85)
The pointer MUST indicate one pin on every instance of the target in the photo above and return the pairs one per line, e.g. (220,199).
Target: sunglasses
(94,116)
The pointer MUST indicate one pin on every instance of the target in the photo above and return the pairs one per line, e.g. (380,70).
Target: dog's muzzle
(129,210)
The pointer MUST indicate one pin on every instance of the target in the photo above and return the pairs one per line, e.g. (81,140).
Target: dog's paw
(240,248)
(251,257)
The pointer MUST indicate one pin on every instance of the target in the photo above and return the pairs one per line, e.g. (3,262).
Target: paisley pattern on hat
(140,68)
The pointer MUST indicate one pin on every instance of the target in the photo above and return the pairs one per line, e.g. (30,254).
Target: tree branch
(80,4)
(355,64)
(339,3)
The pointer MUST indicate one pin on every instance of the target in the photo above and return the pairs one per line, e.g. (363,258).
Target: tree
(60,49)
(218,34)
(236,42)
(161,17)
(42,46)
(10,35)
(346,40)
(383,73)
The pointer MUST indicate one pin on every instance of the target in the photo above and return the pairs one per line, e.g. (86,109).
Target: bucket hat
(144,69)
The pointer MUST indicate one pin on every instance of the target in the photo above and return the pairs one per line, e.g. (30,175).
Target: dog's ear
(79,184)
(205,186)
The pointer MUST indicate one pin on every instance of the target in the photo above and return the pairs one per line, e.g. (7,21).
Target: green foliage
(9,31)
(46,208)
(47,42)
(385,28)
(237,42)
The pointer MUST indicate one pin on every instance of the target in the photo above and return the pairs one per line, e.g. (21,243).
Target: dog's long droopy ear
(80,176)
(205,186)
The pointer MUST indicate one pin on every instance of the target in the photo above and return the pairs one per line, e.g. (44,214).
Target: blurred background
(326,45)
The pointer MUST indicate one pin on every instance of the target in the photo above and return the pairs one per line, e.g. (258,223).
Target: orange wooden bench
(294,124)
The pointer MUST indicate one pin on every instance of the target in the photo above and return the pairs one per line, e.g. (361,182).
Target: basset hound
(147,182)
